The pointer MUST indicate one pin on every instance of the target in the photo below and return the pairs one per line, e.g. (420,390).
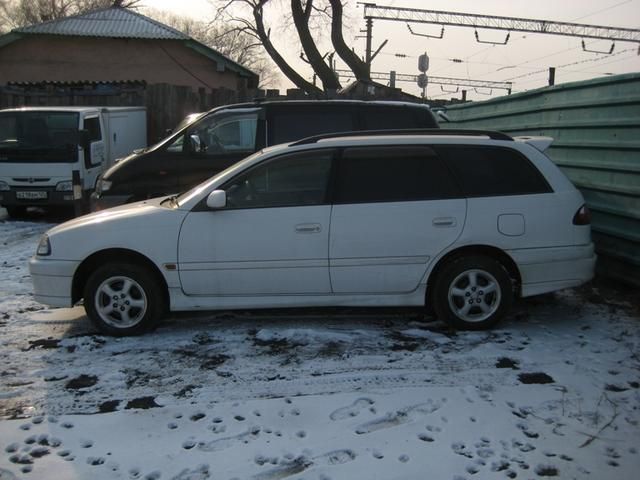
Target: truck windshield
(29,136)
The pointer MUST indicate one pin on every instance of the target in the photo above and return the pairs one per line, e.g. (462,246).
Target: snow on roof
(111,22)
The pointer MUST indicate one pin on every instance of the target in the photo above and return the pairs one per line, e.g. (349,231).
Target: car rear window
(392,174)
(484,171)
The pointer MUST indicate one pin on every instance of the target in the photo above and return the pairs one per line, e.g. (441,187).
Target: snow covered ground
(318,394)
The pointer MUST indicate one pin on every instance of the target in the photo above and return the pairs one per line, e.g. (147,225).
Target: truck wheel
(472,293)
(123,299)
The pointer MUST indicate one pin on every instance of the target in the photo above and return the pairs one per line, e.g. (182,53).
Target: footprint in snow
(352,410)
(201,472)
(400,417)
(300,464)
(226,442)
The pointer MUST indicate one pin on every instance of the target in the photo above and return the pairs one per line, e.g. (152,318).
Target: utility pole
(369,40)
(552,76)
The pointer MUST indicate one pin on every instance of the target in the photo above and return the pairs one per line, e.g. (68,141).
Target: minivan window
(291,180)
(218,134)
(484,171)
(383,118)
(287,126)
(392,174)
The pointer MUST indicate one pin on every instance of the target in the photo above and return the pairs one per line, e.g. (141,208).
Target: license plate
(31,195)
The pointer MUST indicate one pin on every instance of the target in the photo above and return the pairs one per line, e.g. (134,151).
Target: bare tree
(301,15)
(247,16)
(353,61)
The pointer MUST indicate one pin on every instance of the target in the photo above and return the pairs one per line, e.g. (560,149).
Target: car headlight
(4,187)
(103,186)
(44,247)
(65,186)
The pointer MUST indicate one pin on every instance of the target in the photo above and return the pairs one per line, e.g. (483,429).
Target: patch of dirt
(538,378)
(615,388)
(331,349)
(213,362)
(44,343)
(83,381)
(506,362)
(109,406)
(142,403)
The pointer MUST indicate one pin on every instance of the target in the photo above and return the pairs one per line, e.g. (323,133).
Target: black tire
(16,211)
(461,294)
(133,305)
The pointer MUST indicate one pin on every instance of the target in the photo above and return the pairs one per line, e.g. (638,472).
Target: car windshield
(27,136)
(186,121)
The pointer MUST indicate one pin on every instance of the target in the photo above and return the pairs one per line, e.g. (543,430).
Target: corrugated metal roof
(111,22)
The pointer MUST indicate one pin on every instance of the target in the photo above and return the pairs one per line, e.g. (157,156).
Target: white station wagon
(459,221)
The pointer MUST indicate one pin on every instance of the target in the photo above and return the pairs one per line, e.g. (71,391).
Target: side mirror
(196,143)
(217,200)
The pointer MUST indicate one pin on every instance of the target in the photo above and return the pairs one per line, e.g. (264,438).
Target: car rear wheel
(473,292)
(123,299)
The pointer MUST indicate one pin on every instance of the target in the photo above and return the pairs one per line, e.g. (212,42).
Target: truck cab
(42,147)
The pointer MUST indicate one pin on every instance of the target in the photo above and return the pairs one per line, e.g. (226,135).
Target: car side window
(220,134)
(289,125)
(392,174)
(384,118)
(291,180)
(485,171)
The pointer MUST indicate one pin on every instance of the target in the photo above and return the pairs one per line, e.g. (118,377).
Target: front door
(272,237)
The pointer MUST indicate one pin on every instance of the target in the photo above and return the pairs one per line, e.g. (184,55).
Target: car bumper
(545,270)
(52,280)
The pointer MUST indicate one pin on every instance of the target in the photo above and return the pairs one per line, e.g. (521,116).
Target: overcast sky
(524,60)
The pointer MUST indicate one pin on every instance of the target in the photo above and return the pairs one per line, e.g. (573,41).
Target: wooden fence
(166,104)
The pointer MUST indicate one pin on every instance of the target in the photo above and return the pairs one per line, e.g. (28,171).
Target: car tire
(472,292)
(123,299)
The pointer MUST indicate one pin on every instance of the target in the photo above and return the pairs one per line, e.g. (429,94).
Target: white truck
(42,147)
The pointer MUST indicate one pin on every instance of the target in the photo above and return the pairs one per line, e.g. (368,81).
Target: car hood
(123,163)
(146,227)
(132,212)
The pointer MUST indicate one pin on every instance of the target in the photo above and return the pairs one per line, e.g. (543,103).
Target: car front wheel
(473,292)
(123,299)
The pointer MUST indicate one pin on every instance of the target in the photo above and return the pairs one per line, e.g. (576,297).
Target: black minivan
(208,143)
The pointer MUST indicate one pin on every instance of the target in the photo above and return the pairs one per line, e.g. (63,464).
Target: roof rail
(409,131)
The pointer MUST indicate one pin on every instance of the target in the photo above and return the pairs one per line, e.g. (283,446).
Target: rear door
(395,209)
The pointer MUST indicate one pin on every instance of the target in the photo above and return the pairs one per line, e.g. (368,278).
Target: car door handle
(308,228)
(444,222)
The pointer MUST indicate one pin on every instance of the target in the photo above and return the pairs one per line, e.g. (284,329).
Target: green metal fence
(596,127)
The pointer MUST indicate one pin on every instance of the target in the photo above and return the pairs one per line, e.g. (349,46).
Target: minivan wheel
(472,293)
(123,299)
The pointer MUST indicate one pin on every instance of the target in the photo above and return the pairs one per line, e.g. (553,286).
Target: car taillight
(582,216)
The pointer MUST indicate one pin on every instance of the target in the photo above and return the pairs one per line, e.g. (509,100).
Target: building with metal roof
(115,45)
